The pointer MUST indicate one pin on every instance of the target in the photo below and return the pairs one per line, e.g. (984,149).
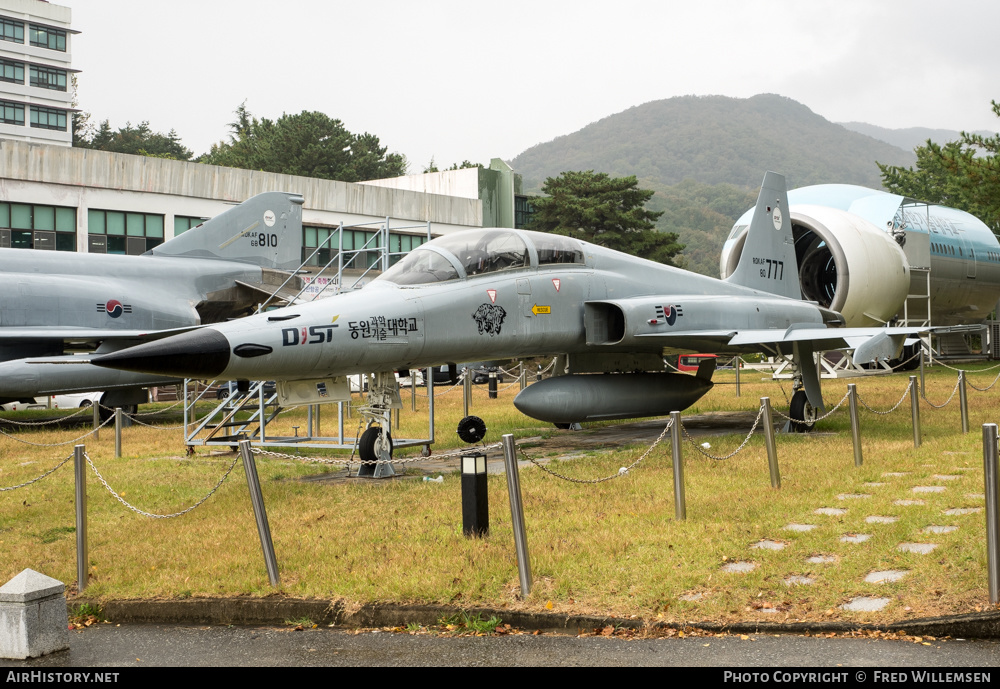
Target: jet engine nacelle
(846,264)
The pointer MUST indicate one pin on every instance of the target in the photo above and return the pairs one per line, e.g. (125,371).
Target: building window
(523,210)
(11,31)
(353,240)
(33,226)
(184,223)
(45,37)
(48,118)
(47,78)
(12,71)
(11,113)
(125,233)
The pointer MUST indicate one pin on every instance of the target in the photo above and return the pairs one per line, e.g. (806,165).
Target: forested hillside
(705,156)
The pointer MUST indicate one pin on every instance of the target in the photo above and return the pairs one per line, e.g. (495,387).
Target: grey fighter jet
(58,303)
(502,293)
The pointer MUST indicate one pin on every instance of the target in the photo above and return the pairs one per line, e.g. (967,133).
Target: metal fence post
(118,432)
(680,500)
(82,555)
(97,420)
(738,361)
(259,512)
(921,366)
(772,451)
(963,401)
(467,391)
(517,514)
(915,411)
(852,395)
(413,390)
(992,513)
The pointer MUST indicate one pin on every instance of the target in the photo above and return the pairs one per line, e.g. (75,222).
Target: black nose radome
(197,354)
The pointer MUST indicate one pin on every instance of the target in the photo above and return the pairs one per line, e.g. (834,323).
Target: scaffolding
(246,414)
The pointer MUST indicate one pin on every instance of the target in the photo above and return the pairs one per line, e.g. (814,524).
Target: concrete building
(74,199)
(36,72)
(497,186)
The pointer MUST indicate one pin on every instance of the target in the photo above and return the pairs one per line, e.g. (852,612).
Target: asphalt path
(150,645)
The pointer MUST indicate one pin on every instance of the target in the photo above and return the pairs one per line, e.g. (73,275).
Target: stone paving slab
(855,538)
(885,576)
(768,544)
(939,529)
(739,567)
(865,604)
(800,527)
(876,519)
(799,580)
(918,548)
(959,511)
(831,511)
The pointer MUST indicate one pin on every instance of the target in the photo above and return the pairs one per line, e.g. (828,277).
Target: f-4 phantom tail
(503,293)
(58,303)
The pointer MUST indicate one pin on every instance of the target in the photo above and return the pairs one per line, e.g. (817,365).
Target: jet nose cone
(200,353)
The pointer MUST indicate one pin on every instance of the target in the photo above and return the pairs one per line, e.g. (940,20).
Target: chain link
(973,386)
(923,393)
(606,478)
(349,462)
(39,478)
(160,516)
(28,442)
(690,439)
(884,413)
(941,363)
(810,422)
(46,423)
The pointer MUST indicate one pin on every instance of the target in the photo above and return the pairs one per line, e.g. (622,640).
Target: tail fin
(265,230)
(768,261)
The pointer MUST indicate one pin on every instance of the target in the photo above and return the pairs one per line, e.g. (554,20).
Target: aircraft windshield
(478,252)
(485,251)
(554,248)
(419,267)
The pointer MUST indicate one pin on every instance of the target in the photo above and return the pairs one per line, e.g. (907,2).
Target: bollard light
(475,500)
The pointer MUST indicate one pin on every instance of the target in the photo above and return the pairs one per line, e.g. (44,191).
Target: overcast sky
(468,80)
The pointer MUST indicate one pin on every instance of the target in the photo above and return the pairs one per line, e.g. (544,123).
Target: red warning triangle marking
(556,282)
(493,295)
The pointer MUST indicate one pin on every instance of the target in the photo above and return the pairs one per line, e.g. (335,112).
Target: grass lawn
(607,548)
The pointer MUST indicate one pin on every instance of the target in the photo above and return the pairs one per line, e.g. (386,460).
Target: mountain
(705,156)
(910,137)
(715,140)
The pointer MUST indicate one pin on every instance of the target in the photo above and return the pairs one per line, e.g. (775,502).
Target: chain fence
(152,515)
(38,478)
(331,461)
(74,440)
(697,446)
(809,422)
(49,421)
(623,471)
(923,394)
(884,413)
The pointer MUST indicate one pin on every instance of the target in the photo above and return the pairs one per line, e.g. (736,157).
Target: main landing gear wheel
(371,442)
(803,413)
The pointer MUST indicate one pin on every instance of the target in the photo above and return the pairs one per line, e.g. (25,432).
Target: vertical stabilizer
(768,259)
(265,230)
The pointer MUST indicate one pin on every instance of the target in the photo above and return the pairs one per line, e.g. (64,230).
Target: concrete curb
(276,610)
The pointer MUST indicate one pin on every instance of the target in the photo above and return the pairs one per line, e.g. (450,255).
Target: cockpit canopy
(477,252)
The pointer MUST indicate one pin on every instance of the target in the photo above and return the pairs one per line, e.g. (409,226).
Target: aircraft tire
(562,426)
(800,410)
(367,451)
